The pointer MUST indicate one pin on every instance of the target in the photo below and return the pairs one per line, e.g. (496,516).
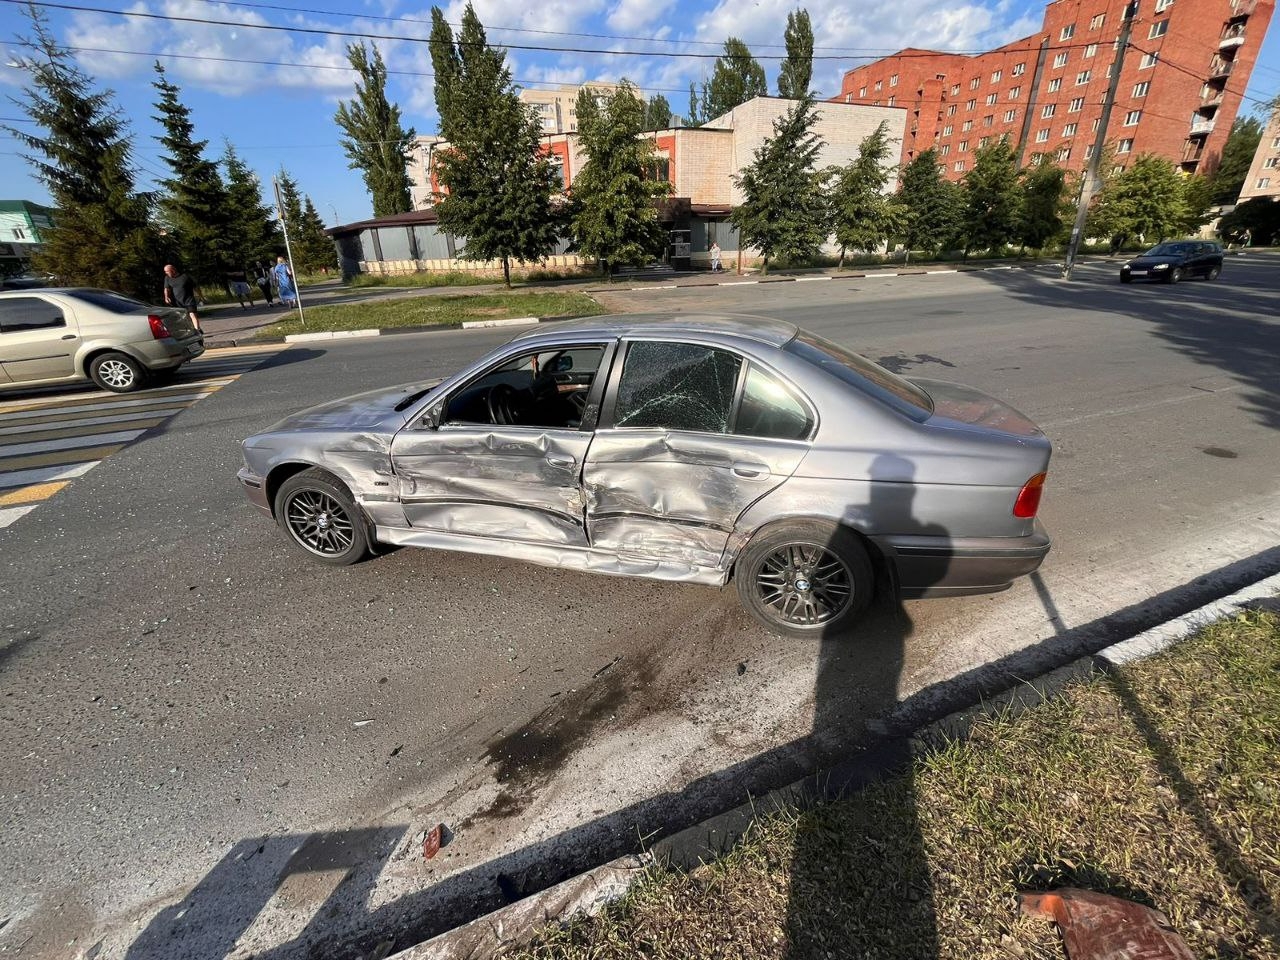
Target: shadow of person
(860,881)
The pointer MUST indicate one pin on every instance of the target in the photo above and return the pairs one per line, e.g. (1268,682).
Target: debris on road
(742,668)
(608,666)
(433,841)
(1095,926)
(362,723)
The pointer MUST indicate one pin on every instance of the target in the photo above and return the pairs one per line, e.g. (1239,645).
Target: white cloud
(632,15)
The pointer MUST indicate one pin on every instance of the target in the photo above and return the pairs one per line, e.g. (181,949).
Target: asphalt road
(212,747)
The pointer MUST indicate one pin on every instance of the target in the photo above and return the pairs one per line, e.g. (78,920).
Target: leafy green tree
(498,183)
(446,64)
(694,119)
(1043,213)
(863,216)
(253,238)
(1143,201)
(615,217)
(784,207)
(586,106)
(194,204)
(934,206)
(657,113)
(993,198)
(736,78)
(1237,157)
(797,69)
(1197,198)
(82,153)
(1256,221)
(314,248)
(375,141)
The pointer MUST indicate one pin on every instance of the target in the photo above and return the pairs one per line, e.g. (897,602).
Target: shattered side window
(676,386)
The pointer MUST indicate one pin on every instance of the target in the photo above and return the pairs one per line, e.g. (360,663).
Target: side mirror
(431,419)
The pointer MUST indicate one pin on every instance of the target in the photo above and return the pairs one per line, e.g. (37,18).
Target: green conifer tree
(314,248)
(253,234)
(863,216)
(374,139)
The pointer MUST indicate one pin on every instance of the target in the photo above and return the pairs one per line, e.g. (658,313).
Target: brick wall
(1264,173)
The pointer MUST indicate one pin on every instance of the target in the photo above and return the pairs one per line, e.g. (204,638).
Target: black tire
(117,372)
(1175,275)
(1214,273)
(777,576)
(320,519)
(1125,278)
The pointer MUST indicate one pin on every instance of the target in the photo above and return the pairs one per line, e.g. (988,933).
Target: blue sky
(283,115)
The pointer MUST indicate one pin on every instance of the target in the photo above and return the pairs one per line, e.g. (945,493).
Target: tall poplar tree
(615,217)
(863,215)
(82,153)
(735,79)
(499,189)
(694,119)
(657,113)
(797,69)
(194,203)
(253,238)
(784,210)
(375,141)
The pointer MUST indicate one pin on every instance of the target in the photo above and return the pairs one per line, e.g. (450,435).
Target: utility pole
(284,224)
(1091,170)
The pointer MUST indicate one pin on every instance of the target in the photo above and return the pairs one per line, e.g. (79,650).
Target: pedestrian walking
(284,282)
(715,257)
(180,291)
(264,284)
(241,289)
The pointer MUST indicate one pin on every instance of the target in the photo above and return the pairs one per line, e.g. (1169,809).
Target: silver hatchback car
(65,334)
(694,449)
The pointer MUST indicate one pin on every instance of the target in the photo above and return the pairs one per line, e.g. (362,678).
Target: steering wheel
(502,403)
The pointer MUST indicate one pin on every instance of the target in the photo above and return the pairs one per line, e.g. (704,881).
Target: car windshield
(859,372)
(108,300)
(1170,250)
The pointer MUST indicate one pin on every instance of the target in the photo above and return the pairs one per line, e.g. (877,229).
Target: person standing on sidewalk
(180,291)
(715,257)
(264,284)
(284,282)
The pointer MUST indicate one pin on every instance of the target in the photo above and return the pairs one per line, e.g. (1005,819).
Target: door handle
(68,336)
(750,471)
(561,461)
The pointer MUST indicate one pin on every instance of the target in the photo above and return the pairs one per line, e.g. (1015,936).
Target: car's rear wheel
(1175,275)
(1214,273)
(320,518)
(117,372)
(805,579)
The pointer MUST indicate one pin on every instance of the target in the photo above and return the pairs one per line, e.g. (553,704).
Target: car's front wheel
(117,372)
(320,518)
(1175,275)
(805,578)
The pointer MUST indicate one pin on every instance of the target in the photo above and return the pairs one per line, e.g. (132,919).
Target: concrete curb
(511,322)
(331,335)
(851,275)
(589,892)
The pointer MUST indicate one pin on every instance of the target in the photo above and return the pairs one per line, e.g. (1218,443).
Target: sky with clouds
(282,115)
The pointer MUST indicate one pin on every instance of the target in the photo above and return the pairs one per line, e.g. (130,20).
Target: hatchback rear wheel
(117,372)
(1214,273)
(320,518)
(805,579)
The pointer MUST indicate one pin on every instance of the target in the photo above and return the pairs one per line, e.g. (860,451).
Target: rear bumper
(255,490)
(167,354)
(946,567)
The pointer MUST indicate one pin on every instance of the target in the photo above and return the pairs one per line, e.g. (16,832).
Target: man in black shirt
(180,291)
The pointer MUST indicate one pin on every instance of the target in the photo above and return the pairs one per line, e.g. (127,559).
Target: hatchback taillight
(1028,501)
(158,329)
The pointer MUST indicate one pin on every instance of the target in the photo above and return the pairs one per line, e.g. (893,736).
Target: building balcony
(1242,8)
(1201,127)
(1193,151)
(1232,41)
(1212,101)
(1221,68)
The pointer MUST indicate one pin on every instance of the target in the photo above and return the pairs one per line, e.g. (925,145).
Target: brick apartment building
(1180,86)
(1264,173)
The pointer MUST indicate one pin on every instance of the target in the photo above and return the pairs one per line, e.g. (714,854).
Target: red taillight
(158,329)
(1028,501)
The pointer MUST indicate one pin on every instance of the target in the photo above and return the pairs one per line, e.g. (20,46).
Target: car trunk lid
(965,405)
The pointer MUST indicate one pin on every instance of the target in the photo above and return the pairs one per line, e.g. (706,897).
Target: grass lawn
(1160,783)
(443,310)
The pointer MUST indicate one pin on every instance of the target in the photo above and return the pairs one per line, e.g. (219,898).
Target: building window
(1264,182)
(947,130)
(951,110)
(1118,168)
(946,148)
(1018,70)
(1088,151)
(959,165)
(1269,164)
(1140,89)
(862,92)
(1097,121)
(893,81)
(1042,136)
(848,98)
(1083,77)
(1076,105)
(992,98)
(1069,130)
(1148,60)
(1015,93)
(966,126)
(1090,50)
(1158,29)
(983,142)
(1048,110)
(892,101)
(964,146)
(1163,5)
(1060,60)
(1275,144)
(973,84)
(1132,117)
(971,104)
(988,120)
(1124,146)
(996,75)
(1010,116)
(1064,154)
(1110,69)
(1067,32)
(955,89)
(1097,22)
(1055,84)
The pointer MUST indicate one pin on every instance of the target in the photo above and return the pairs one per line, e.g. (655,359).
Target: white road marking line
(1137,407)
(69,443)
(7,407)
(85,422)
(942,271)
(151,401)
(872,276)
(739,283)
(25,478)
(9,514)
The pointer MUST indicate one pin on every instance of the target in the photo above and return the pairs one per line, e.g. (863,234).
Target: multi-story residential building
(1180,85)
(21,222)
(1264,173)
(557,108)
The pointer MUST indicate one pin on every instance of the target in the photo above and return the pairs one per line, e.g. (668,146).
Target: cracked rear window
(859,372)
(676,386)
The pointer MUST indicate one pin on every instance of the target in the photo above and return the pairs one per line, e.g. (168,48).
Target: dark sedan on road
(1173,262)
(696,449)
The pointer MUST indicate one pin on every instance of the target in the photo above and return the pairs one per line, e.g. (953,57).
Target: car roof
(761,329)
(67,291)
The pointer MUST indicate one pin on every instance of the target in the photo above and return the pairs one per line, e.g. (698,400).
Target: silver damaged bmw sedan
(694,448)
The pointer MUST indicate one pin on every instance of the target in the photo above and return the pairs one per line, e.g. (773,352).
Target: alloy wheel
(319,522)
(116,373)
(804,584)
